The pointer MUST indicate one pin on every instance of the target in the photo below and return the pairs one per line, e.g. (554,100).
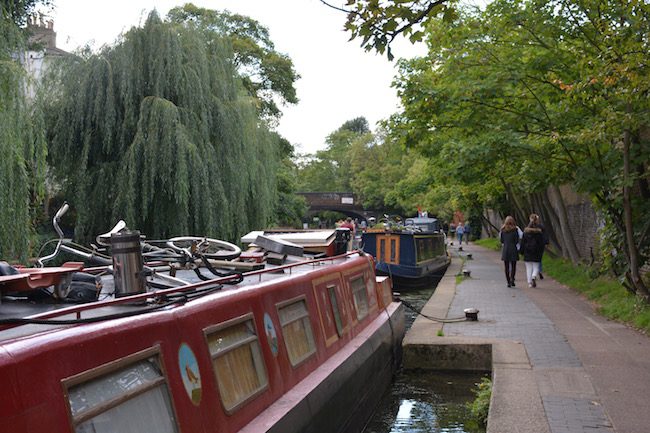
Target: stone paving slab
(592,374)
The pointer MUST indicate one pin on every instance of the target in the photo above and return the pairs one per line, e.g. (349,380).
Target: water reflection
(415,297)
(423,402)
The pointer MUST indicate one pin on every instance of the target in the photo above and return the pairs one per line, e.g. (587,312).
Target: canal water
(423,402)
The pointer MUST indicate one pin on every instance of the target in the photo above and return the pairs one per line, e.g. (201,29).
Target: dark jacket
(532,244)
(509,241)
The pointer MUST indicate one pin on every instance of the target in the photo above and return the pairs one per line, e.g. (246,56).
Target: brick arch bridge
(343,202)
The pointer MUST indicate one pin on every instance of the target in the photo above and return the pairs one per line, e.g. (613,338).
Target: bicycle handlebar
(61,211)
(226,250)
(57,217)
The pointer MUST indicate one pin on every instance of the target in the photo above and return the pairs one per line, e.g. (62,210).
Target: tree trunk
(550,224)
(567,235)
(518,213)
(490,228)
(634,275)
(554,220)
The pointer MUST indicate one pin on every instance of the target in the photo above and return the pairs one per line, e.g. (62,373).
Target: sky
(339,80)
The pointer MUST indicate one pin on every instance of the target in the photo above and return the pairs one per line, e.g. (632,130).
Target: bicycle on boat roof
(158,256)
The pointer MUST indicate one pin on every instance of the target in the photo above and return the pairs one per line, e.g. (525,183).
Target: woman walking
(532,247)
(460,231)
(509,237)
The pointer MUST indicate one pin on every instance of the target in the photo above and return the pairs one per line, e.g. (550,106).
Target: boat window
(331,290)
(393,250)
(130,399)
(372,292)
(360,295)
(382,250)
(237,361)
(298,335)
(429,247)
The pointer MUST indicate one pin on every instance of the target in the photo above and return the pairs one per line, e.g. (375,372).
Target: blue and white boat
(412,253)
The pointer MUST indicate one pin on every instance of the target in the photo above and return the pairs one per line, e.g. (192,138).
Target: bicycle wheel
(207,247)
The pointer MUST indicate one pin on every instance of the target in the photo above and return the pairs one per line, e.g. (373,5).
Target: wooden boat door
(388,248)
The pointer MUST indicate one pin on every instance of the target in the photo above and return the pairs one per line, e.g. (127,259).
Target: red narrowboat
(304,347)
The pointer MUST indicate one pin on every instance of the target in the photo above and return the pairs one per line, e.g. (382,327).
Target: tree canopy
(525,96)
(22,144)
(512,102)
(379,23)
(158,130)
(377,169)
(268,75)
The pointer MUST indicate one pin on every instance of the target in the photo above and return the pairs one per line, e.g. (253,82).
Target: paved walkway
(593,374)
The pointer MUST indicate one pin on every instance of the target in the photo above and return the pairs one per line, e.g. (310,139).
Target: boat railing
(159,295)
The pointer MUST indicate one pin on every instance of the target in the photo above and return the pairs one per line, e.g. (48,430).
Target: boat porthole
(271,335)
(190,373)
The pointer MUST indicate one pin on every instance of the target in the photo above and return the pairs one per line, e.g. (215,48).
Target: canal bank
(556,366)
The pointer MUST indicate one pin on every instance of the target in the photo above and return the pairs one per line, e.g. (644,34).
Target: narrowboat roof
(302,237)
(421,220)
(20,317)
(410,226)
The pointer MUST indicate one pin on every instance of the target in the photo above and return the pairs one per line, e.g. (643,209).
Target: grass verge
(609,295)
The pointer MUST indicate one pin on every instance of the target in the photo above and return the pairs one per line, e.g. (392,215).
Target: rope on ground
(434,319)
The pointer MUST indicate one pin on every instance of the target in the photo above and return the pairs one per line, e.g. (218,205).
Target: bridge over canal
(343,202)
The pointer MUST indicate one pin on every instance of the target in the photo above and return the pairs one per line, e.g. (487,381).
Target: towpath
(592,374)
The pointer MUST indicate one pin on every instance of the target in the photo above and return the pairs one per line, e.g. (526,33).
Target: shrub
(481,404)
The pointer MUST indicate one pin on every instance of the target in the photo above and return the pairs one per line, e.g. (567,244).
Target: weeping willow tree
(158,130)
(22,143)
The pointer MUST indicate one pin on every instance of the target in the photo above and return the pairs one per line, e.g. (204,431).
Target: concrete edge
(516,404)
(437,306)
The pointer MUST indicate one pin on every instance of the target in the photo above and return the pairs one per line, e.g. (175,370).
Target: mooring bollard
(471,314)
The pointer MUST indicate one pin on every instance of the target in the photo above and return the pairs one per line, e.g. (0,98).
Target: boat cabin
(411,253)
(284,348)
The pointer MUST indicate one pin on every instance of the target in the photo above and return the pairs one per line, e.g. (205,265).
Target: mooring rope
(434,319)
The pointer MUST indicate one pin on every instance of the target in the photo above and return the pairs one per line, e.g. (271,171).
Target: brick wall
(584,224)
(583,221)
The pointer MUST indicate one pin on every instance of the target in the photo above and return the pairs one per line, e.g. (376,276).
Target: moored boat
(411,254)
(306,346)
(318,243)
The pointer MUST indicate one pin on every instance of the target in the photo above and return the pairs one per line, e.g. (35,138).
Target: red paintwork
(32,367)
(33,278)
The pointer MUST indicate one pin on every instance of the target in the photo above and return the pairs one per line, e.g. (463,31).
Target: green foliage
(331,169)
(480,407)
(491,243)
(378,170)
(22,143)
(613,300)
(289,207)
(530,94)
(16,12)
(156,130)
(377,166)
(378,23)
(358,125)
(267,75)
